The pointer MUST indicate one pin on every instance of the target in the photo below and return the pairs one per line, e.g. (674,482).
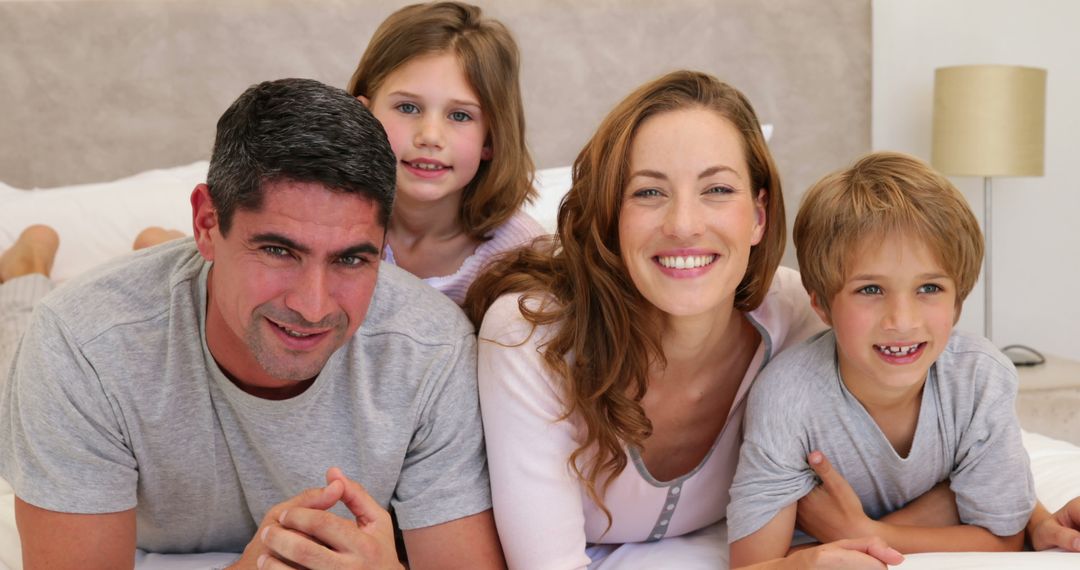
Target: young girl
(443,80)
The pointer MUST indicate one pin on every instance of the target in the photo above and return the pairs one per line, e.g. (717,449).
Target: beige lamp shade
(989,120)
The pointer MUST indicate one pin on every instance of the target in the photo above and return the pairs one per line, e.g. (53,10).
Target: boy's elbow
(1012,543)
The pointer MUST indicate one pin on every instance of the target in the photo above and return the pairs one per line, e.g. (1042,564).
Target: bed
(110,108)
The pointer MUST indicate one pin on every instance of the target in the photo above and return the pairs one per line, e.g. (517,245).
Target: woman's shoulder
(505,322)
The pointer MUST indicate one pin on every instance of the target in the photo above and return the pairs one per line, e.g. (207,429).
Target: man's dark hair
(300,130)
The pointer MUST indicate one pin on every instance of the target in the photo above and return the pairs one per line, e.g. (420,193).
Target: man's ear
(204,221)
(821,311)
(364,100)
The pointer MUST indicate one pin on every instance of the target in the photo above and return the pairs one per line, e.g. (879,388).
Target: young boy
(895,398)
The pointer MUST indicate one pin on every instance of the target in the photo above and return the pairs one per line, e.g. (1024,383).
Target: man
(174,400)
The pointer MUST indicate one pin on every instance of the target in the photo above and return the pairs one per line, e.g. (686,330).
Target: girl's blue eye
(870,290)
(408,108)
(460,116)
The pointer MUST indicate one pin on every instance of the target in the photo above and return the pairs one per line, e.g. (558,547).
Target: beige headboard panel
(94,90)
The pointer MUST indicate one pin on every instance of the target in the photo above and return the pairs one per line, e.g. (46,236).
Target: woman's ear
(486,152)
(760,204)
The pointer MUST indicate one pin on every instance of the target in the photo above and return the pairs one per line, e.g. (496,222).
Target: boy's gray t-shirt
(967,432)
(116,403)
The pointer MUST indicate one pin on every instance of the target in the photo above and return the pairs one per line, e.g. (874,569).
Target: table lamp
(989,120)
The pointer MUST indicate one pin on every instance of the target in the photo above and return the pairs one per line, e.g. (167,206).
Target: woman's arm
(537,500)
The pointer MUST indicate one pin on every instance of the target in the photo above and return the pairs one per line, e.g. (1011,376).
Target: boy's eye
(930,288)
(870,290)
(408,108)
(460,116)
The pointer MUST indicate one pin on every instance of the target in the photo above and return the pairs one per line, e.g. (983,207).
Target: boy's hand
(867,552)
(1060,530)
(832,511)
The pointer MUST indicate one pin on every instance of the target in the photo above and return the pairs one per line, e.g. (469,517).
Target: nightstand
(1049,398)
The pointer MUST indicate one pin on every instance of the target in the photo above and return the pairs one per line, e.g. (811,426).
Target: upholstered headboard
(95,90)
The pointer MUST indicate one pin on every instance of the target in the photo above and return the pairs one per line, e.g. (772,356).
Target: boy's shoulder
(798,370)
(971,363)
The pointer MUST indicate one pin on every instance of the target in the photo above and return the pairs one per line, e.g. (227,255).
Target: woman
(613,364)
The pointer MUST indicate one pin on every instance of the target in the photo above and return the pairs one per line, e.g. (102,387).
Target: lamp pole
(987,280)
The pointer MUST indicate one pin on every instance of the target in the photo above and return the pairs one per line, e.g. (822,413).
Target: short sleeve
(538,502)
(992,476)
(772,472)
(62,444)
(444,476)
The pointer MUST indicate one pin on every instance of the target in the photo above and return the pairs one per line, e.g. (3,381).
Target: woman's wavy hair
(489,57)
(605,337)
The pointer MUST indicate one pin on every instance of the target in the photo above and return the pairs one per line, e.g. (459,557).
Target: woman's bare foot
(33,252)
(154,235)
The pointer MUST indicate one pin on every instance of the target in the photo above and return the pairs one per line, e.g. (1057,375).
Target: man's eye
(275,251)
(352,261)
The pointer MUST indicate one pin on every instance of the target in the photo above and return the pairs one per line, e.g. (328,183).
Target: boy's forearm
(957,538)
(934,508)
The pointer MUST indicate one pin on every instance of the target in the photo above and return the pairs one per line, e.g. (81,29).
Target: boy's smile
(892,317)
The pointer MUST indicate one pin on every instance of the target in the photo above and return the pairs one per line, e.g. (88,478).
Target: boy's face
(892,316)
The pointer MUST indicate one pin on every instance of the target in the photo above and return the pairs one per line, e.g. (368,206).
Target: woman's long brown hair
(605,338)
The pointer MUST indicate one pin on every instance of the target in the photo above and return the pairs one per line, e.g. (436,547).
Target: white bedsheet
(1056,465)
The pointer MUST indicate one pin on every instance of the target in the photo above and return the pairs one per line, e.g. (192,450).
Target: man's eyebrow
(366,247)
(270,238)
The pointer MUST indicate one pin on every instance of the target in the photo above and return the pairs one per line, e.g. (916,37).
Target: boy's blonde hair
(489,58)
(884,193)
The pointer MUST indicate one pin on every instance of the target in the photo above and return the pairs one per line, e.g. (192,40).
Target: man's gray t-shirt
(116,403)
(967,432)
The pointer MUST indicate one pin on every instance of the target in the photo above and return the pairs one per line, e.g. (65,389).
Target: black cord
(1031,358)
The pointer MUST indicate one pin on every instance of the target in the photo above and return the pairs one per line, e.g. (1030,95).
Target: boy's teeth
(686,262)
(898,350)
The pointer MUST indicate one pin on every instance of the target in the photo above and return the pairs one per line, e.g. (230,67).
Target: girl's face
(689,213)
(436,127)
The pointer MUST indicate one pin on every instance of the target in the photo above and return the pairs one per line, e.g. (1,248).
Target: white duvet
(1056,465)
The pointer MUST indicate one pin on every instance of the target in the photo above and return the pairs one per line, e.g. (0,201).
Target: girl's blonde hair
(600,317)
(489,58)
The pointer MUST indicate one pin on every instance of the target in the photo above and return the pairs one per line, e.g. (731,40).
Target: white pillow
(99,221)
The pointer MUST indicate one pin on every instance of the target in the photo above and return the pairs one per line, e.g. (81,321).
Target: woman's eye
(408,108)
(646,193)
(720,190)
(460,116)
